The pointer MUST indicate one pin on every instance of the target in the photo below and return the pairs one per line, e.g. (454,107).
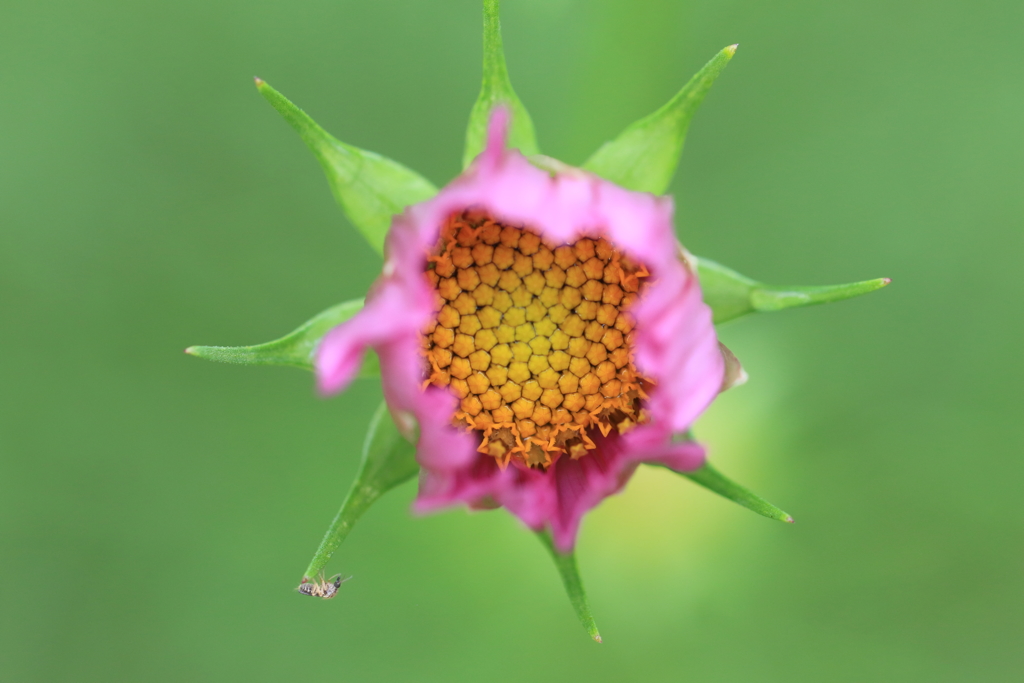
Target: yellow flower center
(535,339)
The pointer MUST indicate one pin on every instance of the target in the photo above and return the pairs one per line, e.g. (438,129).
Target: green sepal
(295,349)
(731,295)
(370,188)
(570,573)
(496,89)
(645,155)
(388,460)
(713,480)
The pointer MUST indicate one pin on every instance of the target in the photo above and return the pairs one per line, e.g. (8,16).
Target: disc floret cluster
(535,339)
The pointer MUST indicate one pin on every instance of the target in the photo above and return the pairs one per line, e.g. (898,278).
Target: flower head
(539,330)
(544,333)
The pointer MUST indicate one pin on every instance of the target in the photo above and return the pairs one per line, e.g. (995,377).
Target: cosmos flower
(537,329)
(543,332)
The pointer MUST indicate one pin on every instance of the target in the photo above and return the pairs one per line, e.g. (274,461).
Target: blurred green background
(156,511)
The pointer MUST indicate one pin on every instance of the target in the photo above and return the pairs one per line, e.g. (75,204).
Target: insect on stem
(321,588)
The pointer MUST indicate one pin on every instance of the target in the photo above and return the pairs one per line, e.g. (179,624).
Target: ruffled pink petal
(560,497)
(341,352)
(582,484)
(483,483)
(440,446)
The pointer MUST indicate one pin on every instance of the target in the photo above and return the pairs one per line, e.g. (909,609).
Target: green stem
(496,89)
(774,298)
(713,480)
(570,572)
(358,501)
(388,460)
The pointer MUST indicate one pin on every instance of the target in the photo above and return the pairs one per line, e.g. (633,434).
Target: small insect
(320,588)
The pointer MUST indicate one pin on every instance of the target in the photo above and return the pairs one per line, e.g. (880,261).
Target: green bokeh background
(156,511)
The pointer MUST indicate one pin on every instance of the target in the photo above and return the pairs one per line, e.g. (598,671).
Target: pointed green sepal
(713,480)
(496,89)
(731,295)
(645,155)
(370,188)
(295,349)
(570,572)
(388,460)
